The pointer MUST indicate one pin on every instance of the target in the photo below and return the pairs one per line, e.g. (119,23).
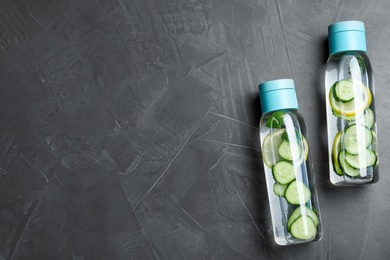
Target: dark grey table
(129,129)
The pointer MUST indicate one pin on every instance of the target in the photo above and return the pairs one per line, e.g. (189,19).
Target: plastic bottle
(351,119)
(287,165)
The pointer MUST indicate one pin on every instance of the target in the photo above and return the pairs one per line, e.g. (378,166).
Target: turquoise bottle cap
(277,94)
(347,36)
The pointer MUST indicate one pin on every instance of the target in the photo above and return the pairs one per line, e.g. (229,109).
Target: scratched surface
(128,128)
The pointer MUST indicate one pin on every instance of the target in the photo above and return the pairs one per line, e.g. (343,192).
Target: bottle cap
(346,36)
(277,94)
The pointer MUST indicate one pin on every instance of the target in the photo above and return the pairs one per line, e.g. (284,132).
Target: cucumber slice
(356,138)
(279,189)
(299,138)
(374,145)
(303,228)
(344,90)
(290,151)
(362,160)
(369,118)
(297,193)
(335,152)
(283,172)
(374,138)
(347,169)
(302,210)
(305,148)
(349,110)
(270,145)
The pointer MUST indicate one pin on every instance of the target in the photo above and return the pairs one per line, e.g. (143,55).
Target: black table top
(129,128)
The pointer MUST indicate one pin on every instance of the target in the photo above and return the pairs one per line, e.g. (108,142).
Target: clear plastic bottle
(287,165)
(350,108)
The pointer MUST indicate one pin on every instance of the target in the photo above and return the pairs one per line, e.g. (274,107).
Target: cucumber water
(287,167)
(350,107)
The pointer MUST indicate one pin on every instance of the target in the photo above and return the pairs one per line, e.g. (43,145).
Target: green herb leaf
(276,120)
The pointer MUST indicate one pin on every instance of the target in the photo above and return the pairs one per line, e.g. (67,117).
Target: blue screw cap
(277,94)
(347,36)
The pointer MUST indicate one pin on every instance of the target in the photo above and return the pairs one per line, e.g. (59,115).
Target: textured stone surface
(128,128)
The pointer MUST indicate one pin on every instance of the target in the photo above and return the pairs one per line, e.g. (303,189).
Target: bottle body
(351,119)
(290,179)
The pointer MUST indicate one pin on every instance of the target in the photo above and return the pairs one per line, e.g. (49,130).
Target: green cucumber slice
(279,189)
(362,160)
(299,139)
(346,167)
(270,146)
(290,151)
(369,118)
(297,193)
(344,90)
(303,228)
(335,152)
(283,172)
(354,108)
(374,145)
(356,138)
(299,211)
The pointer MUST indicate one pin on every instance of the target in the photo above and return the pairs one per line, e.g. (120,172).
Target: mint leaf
(276,120)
